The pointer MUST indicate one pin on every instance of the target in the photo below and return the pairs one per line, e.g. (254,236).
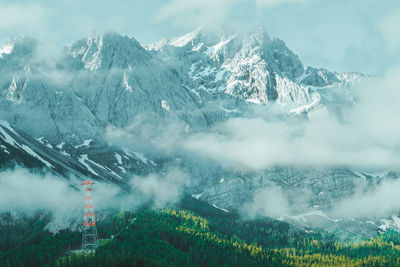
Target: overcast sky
(342,35)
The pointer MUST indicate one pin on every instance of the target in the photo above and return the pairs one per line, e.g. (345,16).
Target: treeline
(204,236)
(182,238)
(266,232)
(25,242)
(173,238)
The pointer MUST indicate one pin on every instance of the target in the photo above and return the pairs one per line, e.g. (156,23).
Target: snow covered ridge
(8,138)
(6,49)
(184,40)
(249,65)
(110,79)
(81,161)
(193,82)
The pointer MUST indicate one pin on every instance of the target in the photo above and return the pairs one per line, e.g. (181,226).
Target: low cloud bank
(267,202)
(377,202)
(364,135)
(24,192)
(21,190)
(361,136)
(383,200)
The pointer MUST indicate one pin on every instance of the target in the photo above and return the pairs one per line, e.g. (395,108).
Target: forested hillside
(202,237)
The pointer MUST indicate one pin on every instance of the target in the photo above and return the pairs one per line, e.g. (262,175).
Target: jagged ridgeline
(122,113)
(196,80)
(158,93)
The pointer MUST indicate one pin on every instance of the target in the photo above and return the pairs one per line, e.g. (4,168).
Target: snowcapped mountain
(249,65)
(57,108)
(196,80)
(105,79)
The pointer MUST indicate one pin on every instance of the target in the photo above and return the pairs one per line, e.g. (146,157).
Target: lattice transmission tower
(89,233)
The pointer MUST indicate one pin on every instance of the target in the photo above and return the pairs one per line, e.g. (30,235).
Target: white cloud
(367,137)
(381,201)
(162,190)
(272,3)
(50,24)
(389,28)
(269,201)
(22,18)
(196,13)
(23,192)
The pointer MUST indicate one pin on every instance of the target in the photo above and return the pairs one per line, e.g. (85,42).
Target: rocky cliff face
(63,104)
(197,80)
(248,65)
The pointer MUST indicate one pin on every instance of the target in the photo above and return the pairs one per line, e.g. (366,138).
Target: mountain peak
(107,49)
(185,39)
(212,35)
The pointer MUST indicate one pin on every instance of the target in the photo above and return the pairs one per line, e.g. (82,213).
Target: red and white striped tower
(89,234)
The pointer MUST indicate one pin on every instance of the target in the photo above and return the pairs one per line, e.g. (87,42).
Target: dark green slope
(202,237)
